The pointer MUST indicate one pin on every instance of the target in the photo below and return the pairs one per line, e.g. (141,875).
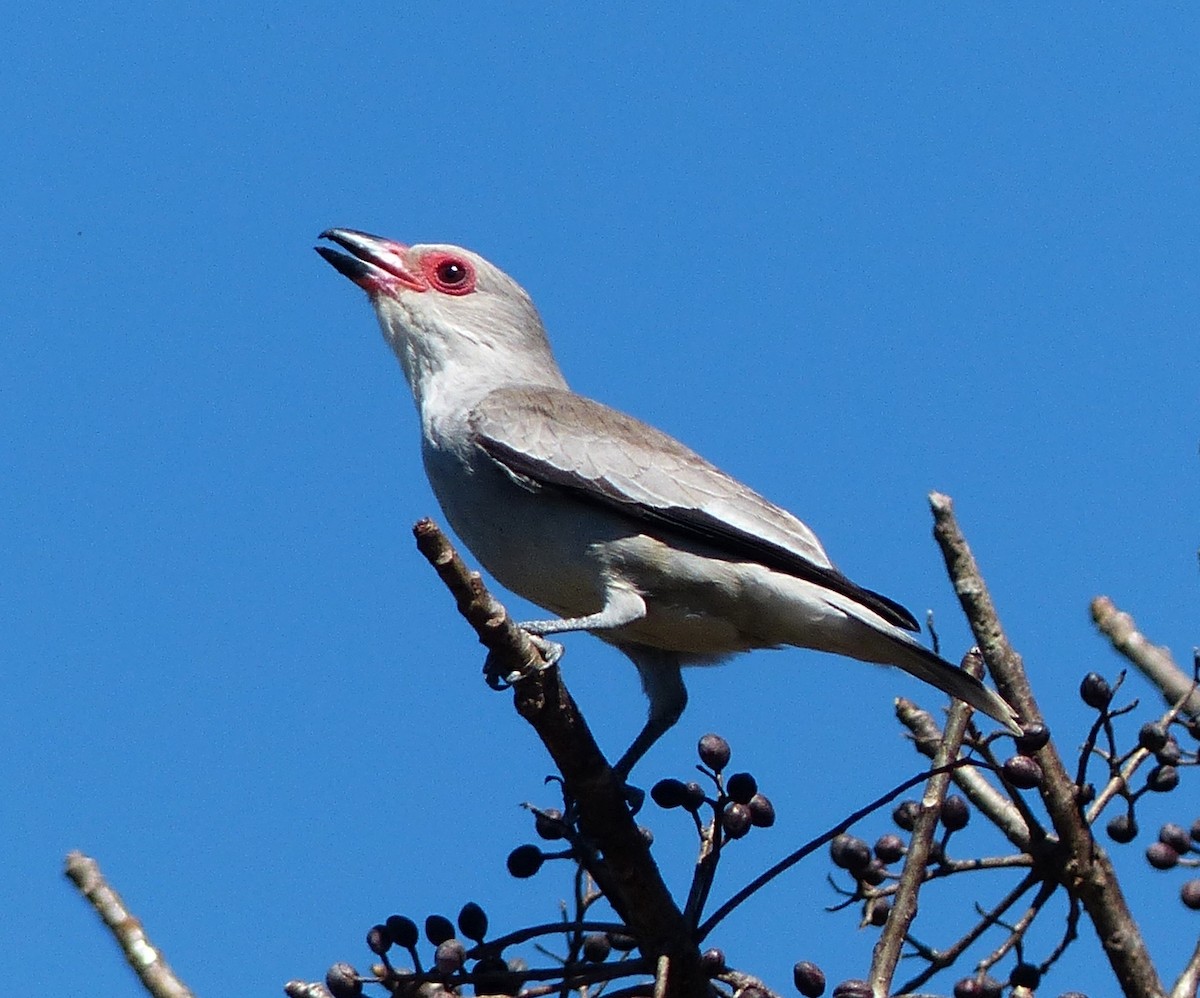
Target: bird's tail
(919,661)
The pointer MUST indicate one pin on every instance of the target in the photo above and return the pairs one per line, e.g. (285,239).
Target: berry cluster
(466,956)
(737,807)
(1176,845)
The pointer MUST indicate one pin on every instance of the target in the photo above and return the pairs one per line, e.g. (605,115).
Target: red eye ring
(451,275)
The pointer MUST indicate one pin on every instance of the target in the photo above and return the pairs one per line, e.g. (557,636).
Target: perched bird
(605,521)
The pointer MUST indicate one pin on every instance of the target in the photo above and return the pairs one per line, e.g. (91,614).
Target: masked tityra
(611,524)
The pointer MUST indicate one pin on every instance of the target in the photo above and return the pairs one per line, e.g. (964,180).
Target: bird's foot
(551,651)
(498,678)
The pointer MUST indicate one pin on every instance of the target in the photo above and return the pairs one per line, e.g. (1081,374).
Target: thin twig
(1016,935)
(940,959)
(147,961)
(904,905)
(810,847)
(927,736)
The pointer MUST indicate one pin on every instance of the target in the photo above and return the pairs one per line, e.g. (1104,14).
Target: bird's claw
(499,679)
(494,676)
(551,651)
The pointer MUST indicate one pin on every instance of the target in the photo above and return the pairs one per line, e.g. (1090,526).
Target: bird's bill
(375,264)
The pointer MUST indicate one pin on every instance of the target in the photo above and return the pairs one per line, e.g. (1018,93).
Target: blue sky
(849,254)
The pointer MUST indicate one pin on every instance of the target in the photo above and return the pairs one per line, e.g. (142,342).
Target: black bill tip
(344,264)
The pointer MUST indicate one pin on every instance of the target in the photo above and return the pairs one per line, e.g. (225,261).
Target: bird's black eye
(451,273)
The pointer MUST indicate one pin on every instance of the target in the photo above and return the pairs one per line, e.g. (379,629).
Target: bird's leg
(663,682)
(621,606)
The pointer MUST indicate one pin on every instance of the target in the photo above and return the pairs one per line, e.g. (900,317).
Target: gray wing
(551,437)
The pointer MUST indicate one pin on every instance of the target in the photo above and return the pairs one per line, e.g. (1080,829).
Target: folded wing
(550,437)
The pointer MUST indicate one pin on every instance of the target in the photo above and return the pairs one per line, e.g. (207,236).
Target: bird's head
(446,311)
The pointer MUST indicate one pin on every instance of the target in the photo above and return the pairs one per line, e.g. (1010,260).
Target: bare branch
(1189,980)
(627,874)
(746,983)
(1153,661)
(306,989)
(904,907)
(927,737)
(1077,861)
(147,961)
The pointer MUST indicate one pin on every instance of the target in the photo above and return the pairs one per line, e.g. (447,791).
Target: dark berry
(1189,894)
(596,947)
(879,913)
(342,981)
(712,961)
(1162,779)
(669,793)
(450,956)
(809,980)
(905,815)
(493,977)
(473,922)
(1153,736)
(1095,691)
(1025,975)
(621,942)
(736,820)
(438,928)
(1022,772)
(741,787)
(1086,794)
(852,988)
(714,752)
(1161,856)
(525,861)
(1170,754)
(1194,832)
(379,940)
(874,873)
(1033,737)
(850,853)
(549,824)
(1122,828)
(403,931)
(973,987)
(955,813)
(889,848)
(989,987)
(693,798)
(762,811)
(1176,836)
(646,834)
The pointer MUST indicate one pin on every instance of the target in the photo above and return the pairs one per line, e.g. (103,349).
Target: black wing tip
(890,610)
